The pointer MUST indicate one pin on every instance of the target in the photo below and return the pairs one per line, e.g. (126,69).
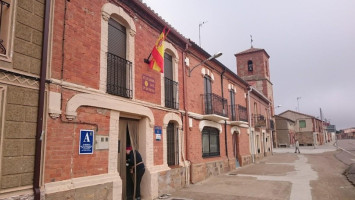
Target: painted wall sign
(157,131)
(86,143)
(148,84)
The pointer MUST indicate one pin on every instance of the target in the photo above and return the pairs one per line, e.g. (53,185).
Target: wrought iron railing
(214,104)
(272,124)
(2,4)
(171,94)
(119,76)
(258,120)
(238,113)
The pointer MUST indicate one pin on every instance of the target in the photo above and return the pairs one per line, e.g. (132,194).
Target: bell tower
(253,67)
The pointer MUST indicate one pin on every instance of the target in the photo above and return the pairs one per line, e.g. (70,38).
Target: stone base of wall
(96,192)
(171,180)
(202,171)
(246,160)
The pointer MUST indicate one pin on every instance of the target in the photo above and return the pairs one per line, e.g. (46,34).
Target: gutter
(225,122)
(42,88)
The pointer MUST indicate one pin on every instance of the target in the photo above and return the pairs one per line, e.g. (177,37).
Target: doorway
(128,136)
(236,149)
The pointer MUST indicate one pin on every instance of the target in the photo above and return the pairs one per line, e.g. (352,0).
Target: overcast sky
(311,44)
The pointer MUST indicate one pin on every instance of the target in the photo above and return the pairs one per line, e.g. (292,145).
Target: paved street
(348,154)
(316,173)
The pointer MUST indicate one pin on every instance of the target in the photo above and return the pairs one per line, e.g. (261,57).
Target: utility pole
(199,31)
(298,104)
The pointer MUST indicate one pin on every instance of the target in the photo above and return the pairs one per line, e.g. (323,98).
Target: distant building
(285,129)
(308,129)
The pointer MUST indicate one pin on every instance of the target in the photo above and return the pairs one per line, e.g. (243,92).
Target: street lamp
(278,106)
(210,58)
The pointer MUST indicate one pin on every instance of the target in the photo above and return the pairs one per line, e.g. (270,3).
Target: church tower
(253,67)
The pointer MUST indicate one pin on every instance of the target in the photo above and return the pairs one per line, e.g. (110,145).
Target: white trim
(110,10)
(204,123)
(175,65)
(167,118)
(99,101)
(235,129)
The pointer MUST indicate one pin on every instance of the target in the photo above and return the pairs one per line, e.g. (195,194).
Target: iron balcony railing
(7,5)
(214,104)
(258,120)
(119,76)
(272,124)
(238,113)
(171,94)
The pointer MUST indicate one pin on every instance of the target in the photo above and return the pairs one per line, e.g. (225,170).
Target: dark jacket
(130,160)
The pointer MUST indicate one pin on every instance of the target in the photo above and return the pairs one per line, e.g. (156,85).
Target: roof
(252,50)
(278,116)
(299,114)
(259,94)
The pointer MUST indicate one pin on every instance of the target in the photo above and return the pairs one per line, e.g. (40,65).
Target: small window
(250,65)
(302,123)
(210,142)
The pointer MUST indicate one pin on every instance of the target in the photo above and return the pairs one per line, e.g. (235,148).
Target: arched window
(250,65)
(210,142)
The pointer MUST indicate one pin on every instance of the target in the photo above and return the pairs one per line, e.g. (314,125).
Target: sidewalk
(313,174)
(330,146)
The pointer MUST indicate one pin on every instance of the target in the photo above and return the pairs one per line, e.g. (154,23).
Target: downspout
(188,176)
(225,122)
(250,132)
(42,88)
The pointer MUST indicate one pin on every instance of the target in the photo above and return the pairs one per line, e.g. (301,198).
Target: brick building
(195,120)
(253,67)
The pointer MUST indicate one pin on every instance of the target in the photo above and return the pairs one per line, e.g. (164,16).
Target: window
(171,87)
(5,11)
(208,94)
(119,70)
(250,65)
(173,144)
(302,123)
(210,142)
(233,106)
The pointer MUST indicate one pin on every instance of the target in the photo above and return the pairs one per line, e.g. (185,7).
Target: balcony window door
(118,68)
(233,106)
(170,85)
(208,94)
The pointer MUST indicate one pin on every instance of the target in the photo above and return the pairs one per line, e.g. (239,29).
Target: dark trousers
(297,149)
(130,184)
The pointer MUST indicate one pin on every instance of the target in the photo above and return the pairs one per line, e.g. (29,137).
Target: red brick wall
(62,145)
(82,42)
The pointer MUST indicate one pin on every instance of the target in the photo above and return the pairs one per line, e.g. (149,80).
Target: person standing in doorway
(136,171)
(297,146)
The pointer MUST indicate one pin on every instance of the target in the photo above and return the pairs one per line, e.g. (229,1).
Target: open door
(128,129)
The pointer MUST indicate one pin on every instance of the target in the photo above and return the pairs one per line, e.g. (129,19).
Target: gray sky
(311,44)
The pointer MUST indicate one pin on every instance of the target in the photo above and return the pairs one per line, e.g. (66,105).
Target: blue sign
(86,145)
(157,131)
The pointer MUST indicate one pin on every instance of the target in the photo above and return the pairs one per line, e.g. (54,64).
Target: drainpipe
(188,176)
(42,88)
(250,132)
(225,122)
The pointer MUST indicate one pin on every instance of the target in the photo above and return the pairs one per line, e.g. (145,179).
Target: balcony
(214,107)
(171,94)
(258,121)
(272,125)
(119,76)
(238,115)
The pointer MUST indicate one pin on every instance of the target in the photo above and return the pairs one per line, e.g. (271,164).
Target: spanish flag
(157,62)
